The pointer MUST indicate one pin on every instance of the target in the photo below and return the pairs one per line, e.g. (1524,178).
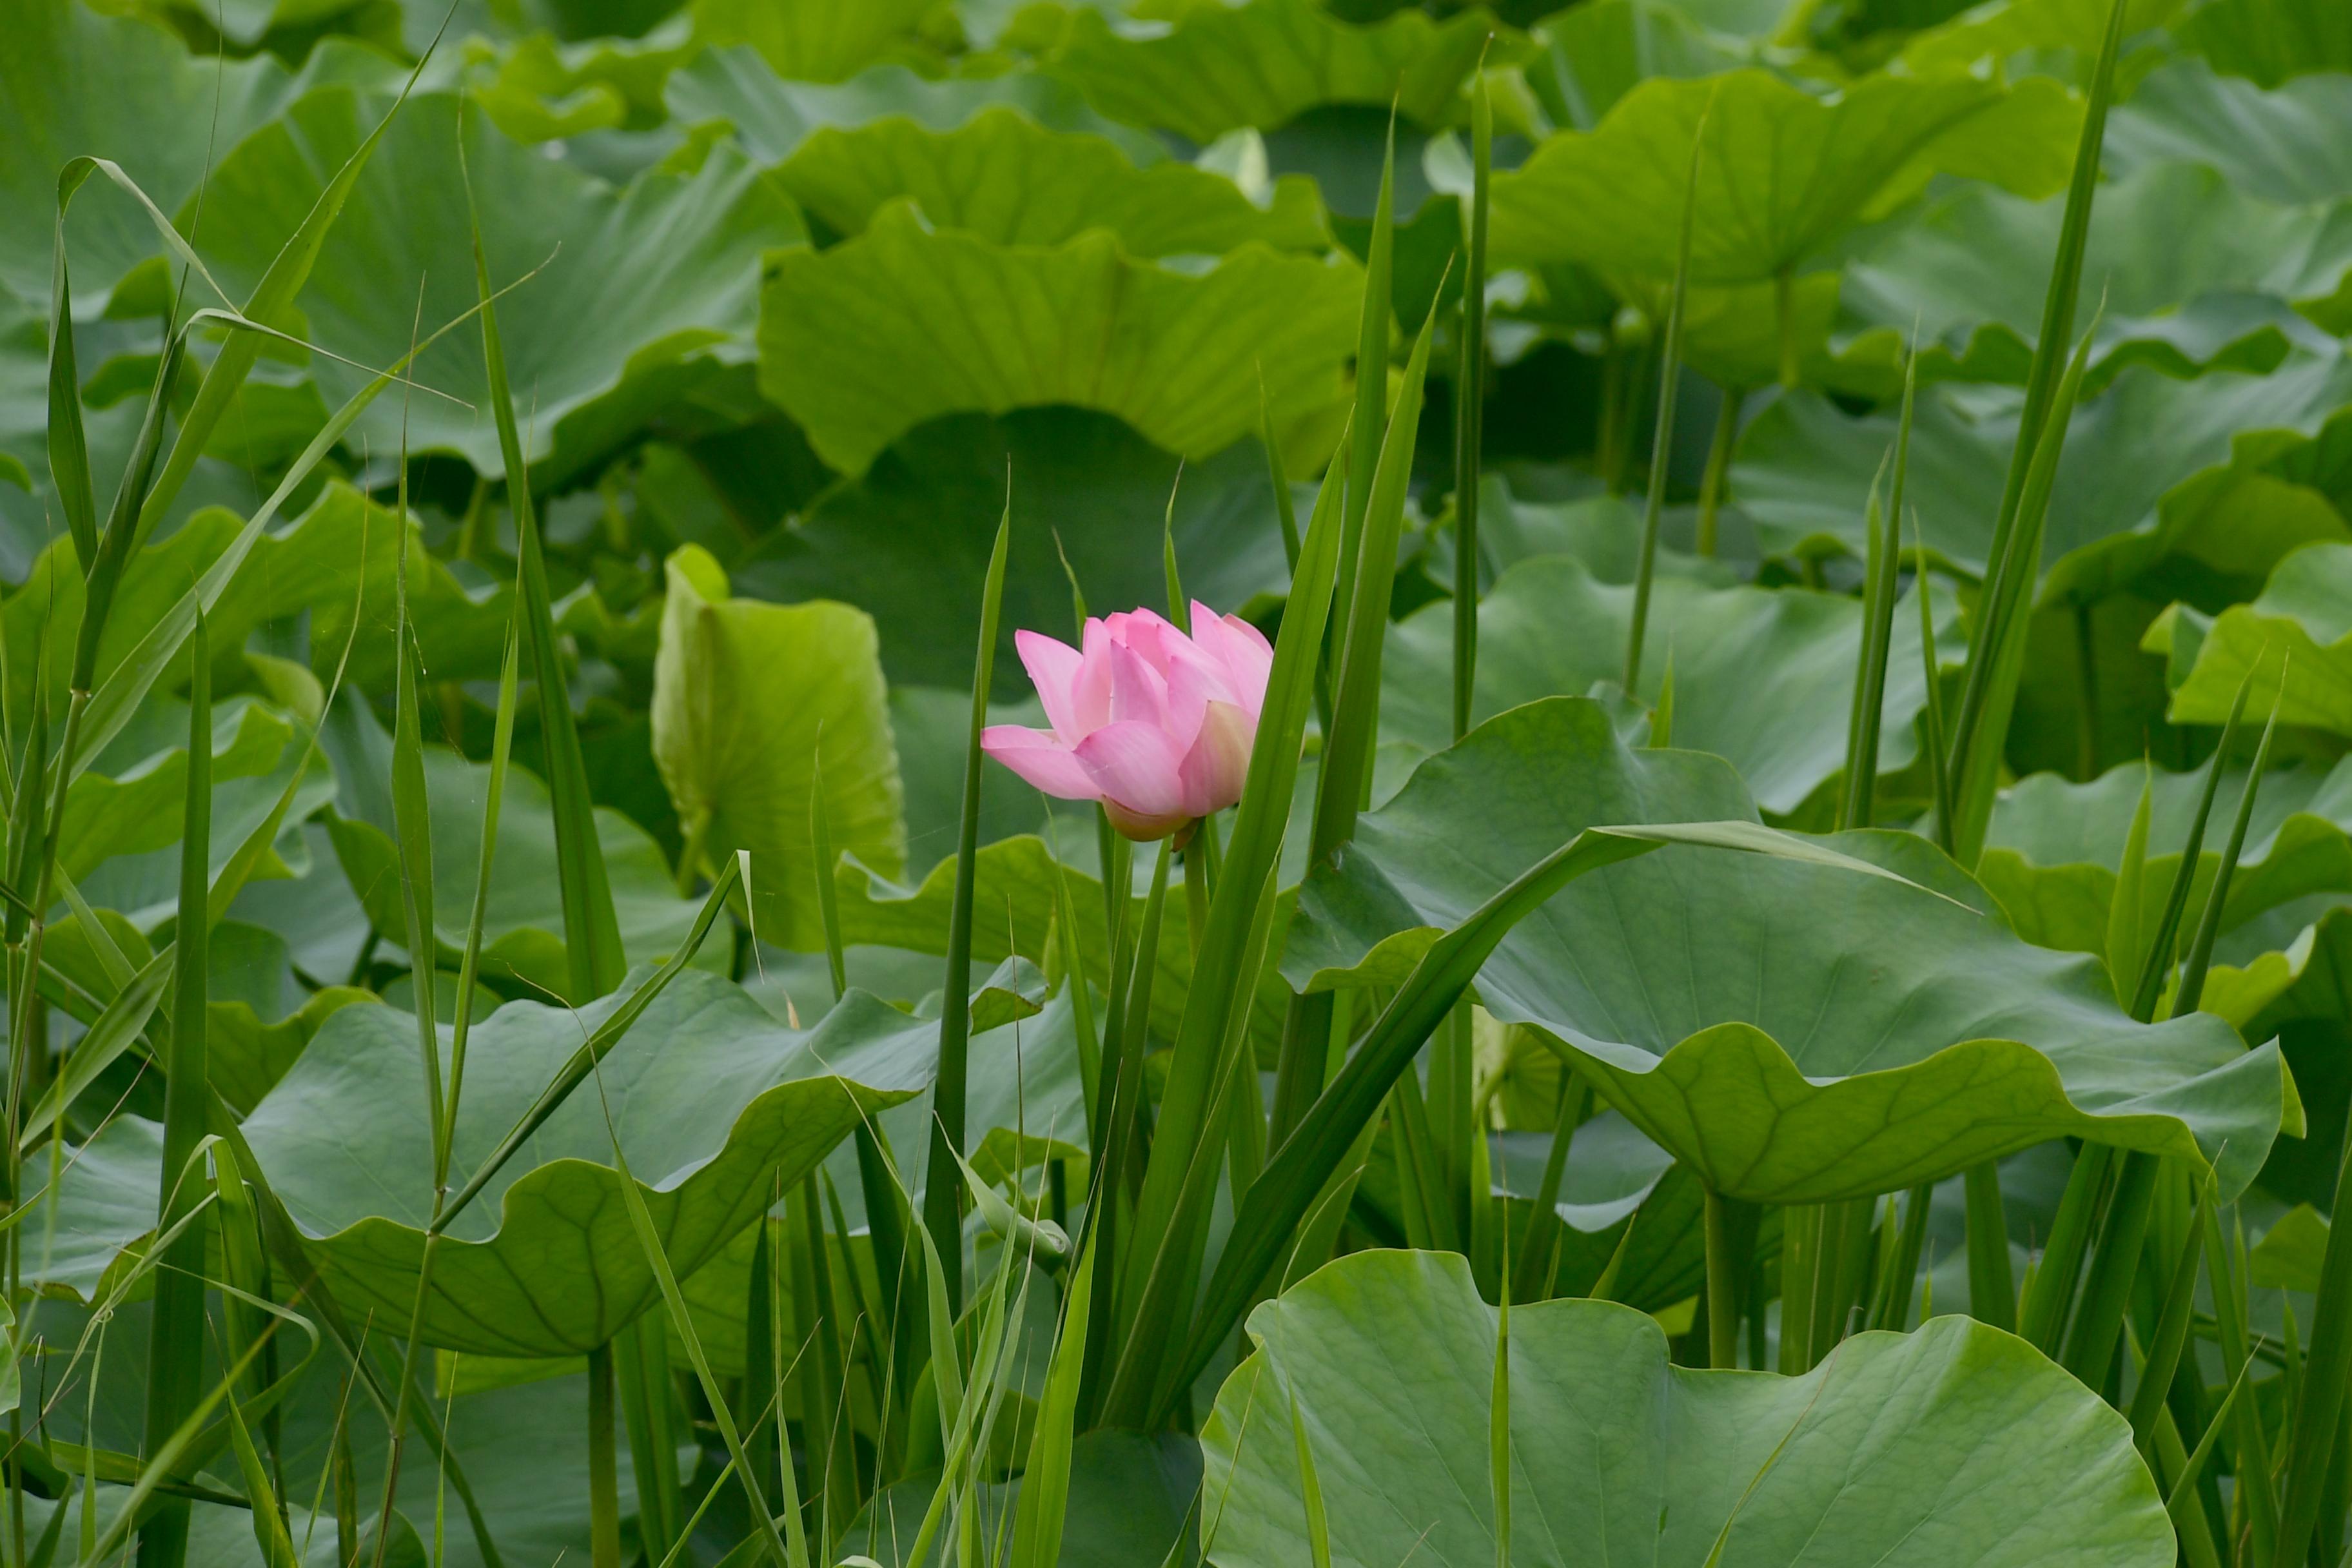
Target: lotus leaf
(1826,163)
(1548,629)
(1176,353)
(706,1092)
(1794,1033)
(2298,630)
(1954,1445)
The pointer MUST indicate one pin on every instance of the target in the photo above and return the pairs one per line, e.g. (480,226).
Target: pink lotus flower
(1154,724)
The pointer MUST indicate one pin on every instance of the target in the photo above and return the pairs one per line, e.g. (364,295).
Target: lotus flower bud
(1154,724)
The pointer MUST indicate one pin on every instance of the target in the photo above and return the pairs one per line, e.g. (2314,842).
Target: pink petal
(1242,648)
(1041,759)
(1138,694)
(1194,680)
(1053,669)
(1136,767)
(1090,693)
(1218,764)
(1149,635)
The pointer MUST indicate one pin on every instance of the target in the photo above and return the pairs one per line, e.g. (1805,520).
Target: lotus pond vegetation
(1150,784)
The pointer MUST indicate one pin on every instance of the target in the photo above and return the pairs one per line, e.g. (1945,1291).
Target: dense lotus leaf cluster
(1698,906)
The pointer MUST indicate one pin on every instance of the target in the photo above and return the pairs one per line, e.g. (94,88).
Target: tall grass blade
(592,930)
(1885,564)
(1045,1483)
(942,1205)
(2164,1351)
(787,1550)
(2209,924)
(1670,366)
(1983,719)
(175,1344)
(1368,424)
(1470,412)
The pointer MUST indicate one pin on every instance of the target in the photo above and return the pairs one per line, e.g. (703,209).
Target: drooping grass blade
(592,1051)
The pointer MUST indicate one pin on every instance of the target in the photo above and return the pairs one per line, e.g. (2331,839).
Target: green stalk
(828,902)
(642,1373)
(1726,1277)
(175,1344)
(603,1471)
(1306,1025)
(1662,443)
(942,1205)
(2310,1433)
(1469,423)
(1878,620)
(2209,924)
(2164,1351)
(1369,424)
(1993,1287)
(1535,1262)
(2050,1294)
(1124,1103)
(1719,469)
(1892,1310)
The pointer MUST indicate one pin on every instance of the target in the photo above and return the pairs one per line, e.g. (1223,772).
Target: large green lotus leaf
(2270,978)
(81,1230)
(812,40)
(773,117)
(909,542)
(342,545)
(131,800)
(639,293)
(1592,55)
(1130,1501)
(538,89)
(708,1092)
(1263,63)
(1615,198)
(1957,1445)
(746,696)
(1549,629)
(141,879)
(2298,630)
(1006,179)
(2153,467)
(865,341)
(2292,143)
(2197,275)
(2053,846)
(154,115)
(1998,31)
(1603,531)
(2271,40)
(1795,1033)
(522,927)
